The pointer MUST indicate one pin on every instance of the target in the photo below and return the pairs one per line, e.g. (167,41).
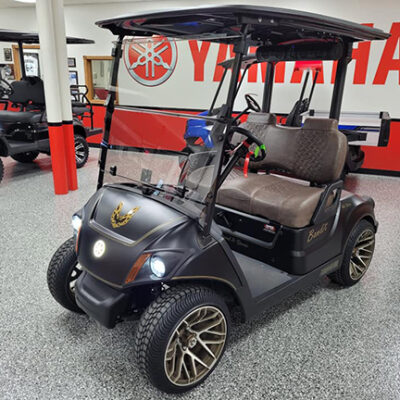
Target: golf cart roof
(267,25)
(33,38)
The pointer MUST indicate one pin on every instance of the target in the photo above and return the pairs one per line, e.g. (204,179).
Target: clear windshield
(163,140)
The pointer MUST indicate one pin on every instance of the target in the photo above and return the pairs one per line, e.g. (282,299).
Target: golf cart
(367,129)
(179,247)
(24,131)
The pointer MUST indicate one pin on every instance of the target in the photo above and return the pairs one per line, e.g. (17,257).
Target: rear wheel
(181,337)
(62,273)
(357,255)
(27,157)
(81,151)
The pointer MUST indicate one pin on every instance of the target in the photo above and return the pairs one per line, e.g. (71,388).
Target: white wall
(80,22)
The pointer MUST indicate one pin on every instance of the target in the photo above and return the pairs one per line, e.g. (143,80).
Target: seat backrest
(28,90)
(315,152)
(256,123)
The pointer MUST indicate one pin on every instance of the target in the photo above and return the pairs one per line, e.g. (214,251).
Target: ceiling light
(26,1)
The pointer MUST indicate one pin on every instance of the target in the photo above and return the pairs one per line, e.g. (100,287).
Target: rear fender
(355,208)
(79,129)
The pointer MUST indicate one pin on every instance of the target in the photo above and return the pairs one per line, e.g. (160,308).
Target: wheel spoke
(211,325)
(205,347)
(216,333)
(205,318)
(194,368)
(207,341)
(201,362)
(179,367)
(361,261)
(186,370)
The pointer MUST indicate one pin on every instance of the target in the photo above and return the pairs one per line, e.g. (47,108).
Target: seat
(29,90)
(314,153)
(20,117)
(275,198)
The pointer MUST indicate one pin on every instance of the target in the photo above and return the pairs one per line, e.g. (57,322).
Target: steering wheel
(252,103)
(251,139)
(5,88)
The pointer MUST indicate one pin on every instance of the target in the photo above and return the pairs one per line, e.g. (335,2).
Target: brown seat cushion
(278,199)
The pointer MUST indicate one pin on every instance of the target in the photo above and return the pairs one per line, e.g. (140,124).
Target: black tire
(158,326)
(343,275)
(1,169)
(61,272)
(27,157)
(81,151)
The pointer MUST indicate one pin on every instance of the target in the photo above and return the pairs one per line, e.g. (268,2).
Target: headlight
(157,266)
(76,224)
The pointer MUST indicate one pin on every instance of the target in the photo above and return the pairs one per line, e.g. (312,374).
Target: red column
(70,155)
(58,161)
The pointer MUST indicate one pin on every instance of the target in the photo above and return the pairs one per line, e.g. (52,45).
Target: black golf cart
(23,124)
(180,246)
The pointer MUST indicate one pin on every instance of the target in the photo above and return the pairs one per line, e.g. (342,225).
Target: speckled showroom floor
(324,343)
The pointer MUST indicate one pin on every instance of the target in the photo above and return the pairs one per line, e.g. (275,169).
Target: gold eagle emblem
(118,220)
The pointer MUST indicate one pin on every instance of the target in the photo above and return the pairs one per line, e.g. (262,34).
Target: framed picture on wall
(7,54)
(71,62)
(32,66)
(73,78)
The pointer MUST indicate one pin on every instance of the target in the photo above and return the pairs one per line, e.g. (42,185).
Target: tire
(27,157)
(81,151)
(157,332)
(1,170)
(355,263)
(62,274)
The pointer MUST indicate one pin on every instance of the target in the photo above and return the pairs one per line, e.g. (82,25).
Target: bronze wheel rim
(362,254)
(195,346)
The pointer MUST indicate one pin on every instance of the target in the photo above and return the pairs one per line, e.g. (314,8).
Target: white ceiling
(12,3)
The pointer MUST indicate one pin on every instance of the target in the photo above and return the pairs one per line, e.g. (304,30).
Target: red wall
(168,131)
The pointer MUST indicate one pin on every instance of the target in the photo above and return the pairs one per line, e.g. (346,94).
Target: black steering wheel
(5,88)
(252,103)
(250,140)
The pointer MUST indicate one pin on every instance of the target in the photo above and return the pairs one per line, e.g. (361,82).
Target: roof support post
(240,49)
(21,59)
(338,89)
(268,86)
(110,105)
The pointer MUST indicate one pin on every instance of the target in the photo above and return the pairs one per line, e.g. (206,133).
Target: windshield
(163,139)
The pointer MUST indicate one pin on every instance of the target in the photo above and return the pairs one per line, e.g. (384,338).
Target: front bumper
(100,301)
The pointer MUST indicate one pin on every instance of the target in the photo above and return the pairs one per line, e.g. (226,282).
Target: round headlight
(99,248)
(157,266)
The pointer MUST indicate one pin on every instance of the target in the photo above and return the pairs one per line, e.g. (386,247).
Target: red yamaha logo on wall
(150,62)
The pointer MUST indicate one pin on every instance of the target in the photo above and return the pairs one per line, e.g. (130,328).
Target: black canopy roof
(267,24)
(33,38)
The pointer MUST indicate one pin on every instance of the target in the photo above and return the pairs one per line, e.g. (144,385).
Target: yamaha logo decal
(150,62)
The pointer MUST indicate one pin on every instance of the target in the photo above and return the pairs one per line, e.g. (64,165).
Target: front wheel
(357,254)
(62,273)
(81,151)
(181,337)
(27,157)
